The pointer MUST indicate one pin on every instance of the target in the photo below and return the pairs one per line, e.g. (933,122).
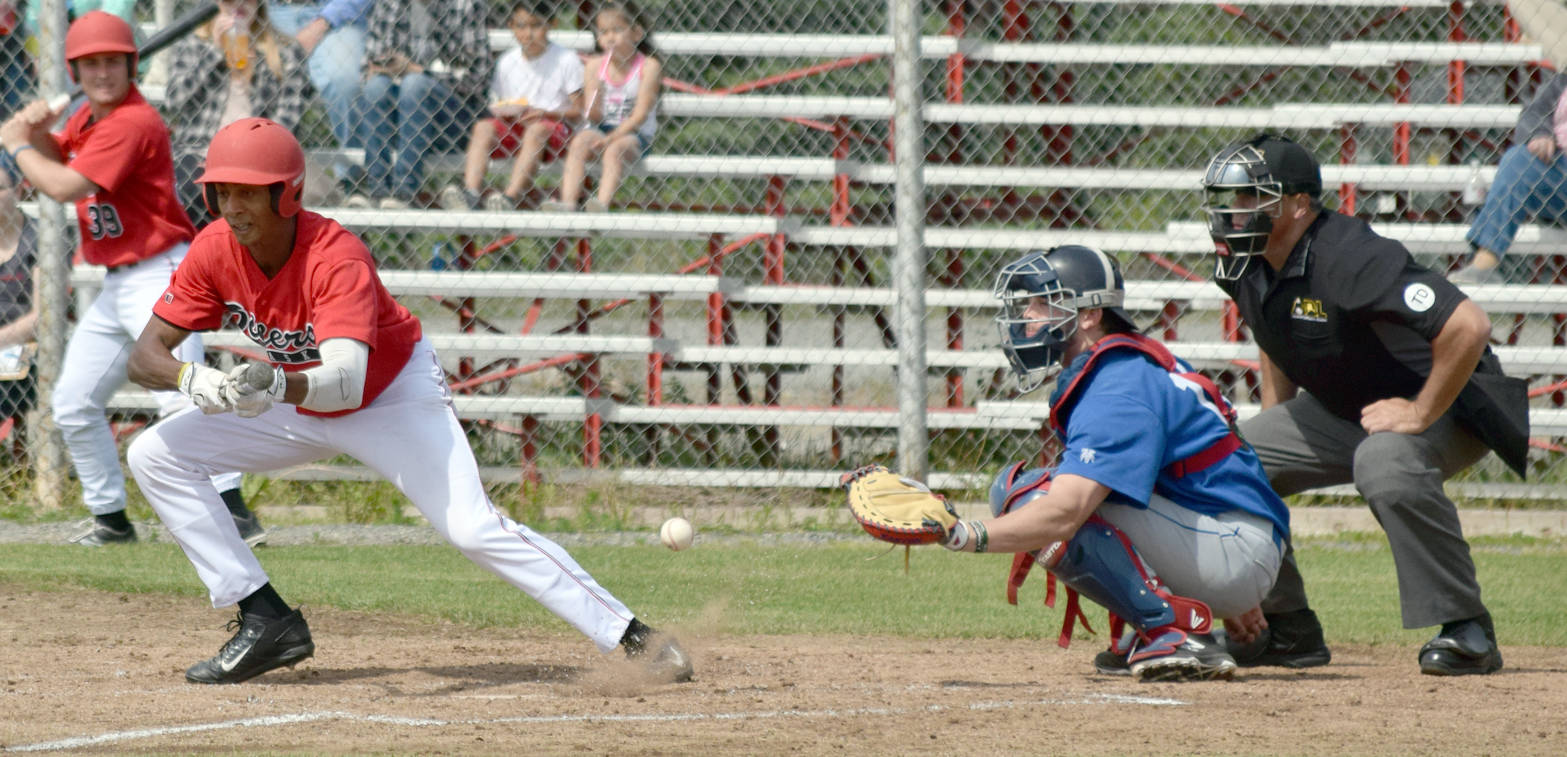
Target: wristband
(185,375)
(20,150)
(981,536)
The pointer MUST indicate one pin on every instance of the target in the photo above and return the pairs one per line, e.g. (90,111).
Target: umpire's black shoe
(1291,640)
(1464,647)
(260,645)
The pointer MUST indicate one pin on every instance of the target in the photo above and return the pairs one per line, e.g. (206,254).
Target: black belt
(126,267)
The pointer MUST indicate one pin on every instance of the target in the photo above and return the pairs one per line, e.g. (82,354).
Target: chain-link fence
(700,293)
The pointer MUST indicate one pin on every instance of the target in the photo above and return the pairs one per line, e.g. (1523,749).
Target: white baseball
(59,101)
(676,533)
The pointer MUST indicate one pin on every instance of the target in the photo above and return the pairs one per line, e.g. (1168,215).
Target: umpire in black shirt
(1401,392)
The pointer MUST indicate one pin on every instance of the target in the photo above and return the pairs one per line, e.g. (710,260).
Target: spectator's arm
(21,330)
(473,51)
(1535,120)
(591,98)
(572,113)
(380,35)
(647,97)
(340,12)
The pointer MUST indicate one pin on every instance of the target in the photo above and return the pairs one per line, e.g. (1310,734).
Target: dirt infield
(84,671)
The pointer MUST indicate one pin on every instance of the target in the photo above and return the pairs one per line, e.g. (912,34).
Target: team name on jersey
(283,347)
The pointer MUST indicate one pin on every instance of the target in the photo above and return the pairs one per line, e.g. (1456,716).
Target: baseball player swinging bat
(164,37)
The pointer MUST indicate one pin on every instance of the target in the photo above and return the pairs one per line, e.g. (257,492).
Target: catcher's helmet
(99,32)
(1265,167)
(1066,279)
(259,152)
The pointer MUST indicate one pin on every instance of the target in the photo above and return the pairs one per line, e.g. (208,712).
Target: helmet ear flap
(209,195)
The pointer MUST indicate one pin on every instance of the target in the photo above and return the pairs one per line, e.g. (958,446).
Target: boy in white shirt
(534,100)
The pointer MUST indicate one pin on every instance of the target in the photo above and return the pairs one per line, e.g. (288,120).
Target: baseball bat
(160,39)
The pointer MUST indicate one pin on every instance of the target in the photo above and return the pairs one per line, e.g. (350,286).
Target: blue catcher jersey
(1132,419)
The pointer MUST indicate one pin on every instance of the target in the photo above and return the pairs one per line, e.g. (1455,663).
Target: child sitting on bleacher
(536,94)
(621,87)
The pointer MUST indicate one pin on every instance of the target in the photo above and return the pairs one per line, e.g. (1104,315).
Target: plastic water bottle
(236,42)
(438,257)
(1474,191)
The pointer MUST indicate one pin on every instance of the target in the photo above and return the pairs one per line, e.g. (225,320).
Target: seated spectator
(621,87)
(16,66)
(427,69)
(18,300)
(537,92)
(1531,181)
(332,35)
(234,66)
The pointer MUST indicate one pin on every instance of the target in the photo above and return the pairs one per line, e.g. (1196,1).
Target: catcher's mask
(1244,188)
(1041,294)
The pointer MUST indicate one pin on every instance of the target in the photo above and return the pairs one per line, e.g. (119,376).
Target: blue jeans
(335,66)
(1524,188)
(403,119)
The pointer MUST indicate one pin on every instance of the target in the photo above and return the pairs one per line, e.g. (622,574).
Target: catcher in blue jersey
(1157,510)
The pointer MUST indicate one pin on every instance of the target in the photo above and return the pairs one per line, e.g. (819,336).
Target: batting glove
(204,387)
(251,388)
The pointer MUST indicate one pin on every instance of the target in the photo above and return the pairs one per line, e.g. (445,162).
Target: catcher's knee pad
(1014,486)
(1100,563)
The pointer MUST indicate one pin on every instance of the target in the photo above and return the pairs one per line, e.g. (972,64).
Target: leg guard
(1100,563)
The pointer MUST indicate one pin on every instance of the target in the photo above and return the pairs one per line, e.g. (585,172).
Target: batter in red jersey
(348,373)
(112,160)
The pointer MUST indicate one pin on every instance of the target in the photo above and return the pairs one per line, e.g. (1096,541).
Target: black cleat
(1291,640)
(1464,647)
(98,535)
(260,645)
(250,529)
(659,653)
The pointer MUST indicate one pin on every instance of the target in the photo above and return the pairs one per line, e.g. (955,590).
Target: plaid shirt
(459,40)
(198,89)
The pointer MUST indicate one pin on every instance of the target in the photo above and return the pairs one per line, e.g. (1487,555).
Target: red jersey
(134,215)
(328,289)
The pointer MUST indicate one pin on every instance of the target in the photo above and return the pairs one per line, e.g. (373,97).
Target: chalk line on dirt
(77,742)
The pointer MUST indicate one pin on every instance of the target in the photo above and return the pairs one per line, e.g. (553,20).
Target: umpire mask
(1244,188)
(1040,295)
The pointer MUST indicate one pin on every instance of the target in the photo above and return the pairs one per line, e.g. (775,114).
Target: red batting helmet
(258,152)
(99,32)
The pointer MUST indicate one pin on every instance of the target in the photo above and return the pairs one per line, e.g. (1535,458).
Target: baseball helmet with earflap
(258,152)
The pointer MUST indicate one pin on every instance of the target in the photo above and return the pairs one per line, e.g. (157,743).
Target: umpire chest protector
(1076,378)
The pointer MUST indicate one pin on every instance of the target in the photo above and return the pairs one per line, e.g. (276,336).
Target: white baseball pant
(409,435)
(94,369)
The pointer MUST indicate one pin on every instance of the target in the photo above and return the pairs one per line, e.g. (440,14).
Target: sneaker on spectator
(457,197)
(594,205)
(357,200)
(556,206)
(394,203)
(1472,274)
(499,202)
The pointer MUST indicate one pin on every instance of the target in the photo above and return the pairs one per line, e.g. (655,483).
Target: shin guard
(1100,563)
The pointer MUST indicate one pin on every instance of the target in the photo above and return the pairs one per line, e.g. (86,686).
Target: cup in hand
(236,48)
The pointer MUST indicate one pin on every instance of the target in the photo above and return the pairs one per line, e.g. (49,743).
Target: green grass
(836,588)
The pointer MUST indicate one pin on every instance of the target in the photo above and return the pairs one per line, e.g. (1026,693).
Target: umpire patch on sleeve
(1419,297)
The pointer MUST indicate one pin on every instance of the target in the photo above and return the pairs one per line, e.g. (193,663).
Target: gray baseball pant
(1304,446)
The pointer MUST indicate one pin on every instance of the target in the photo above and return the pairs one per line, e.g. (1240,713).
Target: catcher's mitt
(896,509)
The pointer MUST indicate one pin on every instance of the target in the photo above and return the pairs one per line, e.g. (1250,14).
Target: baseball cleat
(258,646)
(1463,647)
(1113,661)
(250,529)
(1175,655)
(98,535)
(1291,640)
(659,653)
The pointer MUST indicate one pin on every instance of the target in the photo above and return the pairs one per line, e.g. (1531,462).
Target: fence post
(46,450)
(909,263)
